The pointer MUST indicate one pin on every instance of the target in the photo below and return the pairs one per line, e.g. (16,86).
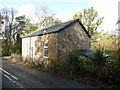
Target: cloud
(29,11)
(26,10)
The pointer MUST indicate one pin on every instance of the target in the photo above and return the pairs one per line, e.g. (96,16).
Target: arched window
(45,51)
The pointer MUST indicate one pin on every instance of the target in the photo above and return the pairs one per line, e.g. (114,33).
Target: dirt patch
(6,57)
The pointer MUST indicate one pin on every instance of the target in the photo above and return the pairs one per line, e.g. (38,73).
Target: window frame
(45,52)
(35,50)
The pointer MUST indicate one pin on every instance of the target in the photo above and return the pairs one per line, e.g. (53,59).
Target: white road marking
(9,73)
(12,80)
(10,76)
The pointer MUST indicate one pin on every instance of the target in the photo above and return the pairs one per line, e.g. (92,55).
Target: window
(35,50)
(45,51)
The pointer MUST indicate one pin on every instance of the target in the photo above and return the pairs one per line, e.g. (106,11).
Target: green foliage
(24,26)
(98,59)
(73,65)
(67,66)
(7,50)
(16,48)
(109,44)
(72,59)
(111,74)
(111,62)
(89,18)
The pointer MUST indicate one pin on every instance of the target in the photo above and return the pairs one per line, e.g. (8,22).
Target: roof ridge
(55,28)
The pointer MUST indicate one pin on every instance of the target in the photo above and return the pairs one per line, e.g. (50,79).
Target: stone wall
(16,57)
(30,44)
(50,40)
(73,37)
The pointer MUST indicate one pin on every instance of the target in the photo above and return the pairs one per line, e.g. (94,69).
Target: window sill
(45,57)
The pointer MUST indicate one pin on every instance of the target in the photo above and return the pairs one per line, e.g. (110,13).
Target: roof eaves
(85,29)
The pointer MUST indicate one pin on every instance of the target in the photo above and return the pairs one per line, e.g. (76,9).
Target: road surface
(19,76)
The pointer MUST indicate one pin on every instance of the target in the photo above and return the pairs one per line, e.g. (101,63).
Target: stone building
(55,42)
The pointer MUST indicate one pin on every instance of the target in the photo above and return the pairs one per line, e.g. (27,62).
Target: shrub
(98,59)
(7,50)
(110,75)
(68,66)
(16,48)
(72,61)
(111,62)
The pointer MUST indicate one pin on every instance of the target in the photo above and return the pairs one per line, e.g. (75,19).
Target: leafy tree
(109,44)
(89,18)
(22,27)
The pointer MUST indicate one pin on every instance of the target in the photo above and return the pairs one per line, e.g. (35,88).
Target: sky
(65,9)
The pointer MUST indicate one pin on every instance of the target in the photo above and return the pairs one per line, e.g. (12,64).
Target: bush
(72,61)
(6,50)
(110,75)
(73,65)
(16,48)
(111,62)
(98,59)
(68,66)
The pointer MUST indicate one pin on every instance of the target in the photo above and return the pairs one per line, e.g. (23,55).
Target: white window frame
(35,49)
(45,51)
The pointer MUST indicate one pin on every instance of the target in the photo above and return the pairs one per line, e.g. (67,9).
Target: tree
(23,26)
(1,23)
(41,12)
(89,18)
(49,21)
(9,17)
(43,17)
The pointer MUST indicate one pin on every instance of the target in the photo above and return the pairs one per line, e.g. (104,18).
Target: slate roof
(55,28)
(89,52)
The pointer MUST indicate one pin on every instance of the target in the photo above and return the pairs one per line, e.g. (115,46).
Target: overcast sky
(65,9)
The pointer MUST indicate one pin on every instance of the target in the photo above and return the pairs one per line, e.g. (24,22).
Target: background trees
(89,18)
(49,21)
